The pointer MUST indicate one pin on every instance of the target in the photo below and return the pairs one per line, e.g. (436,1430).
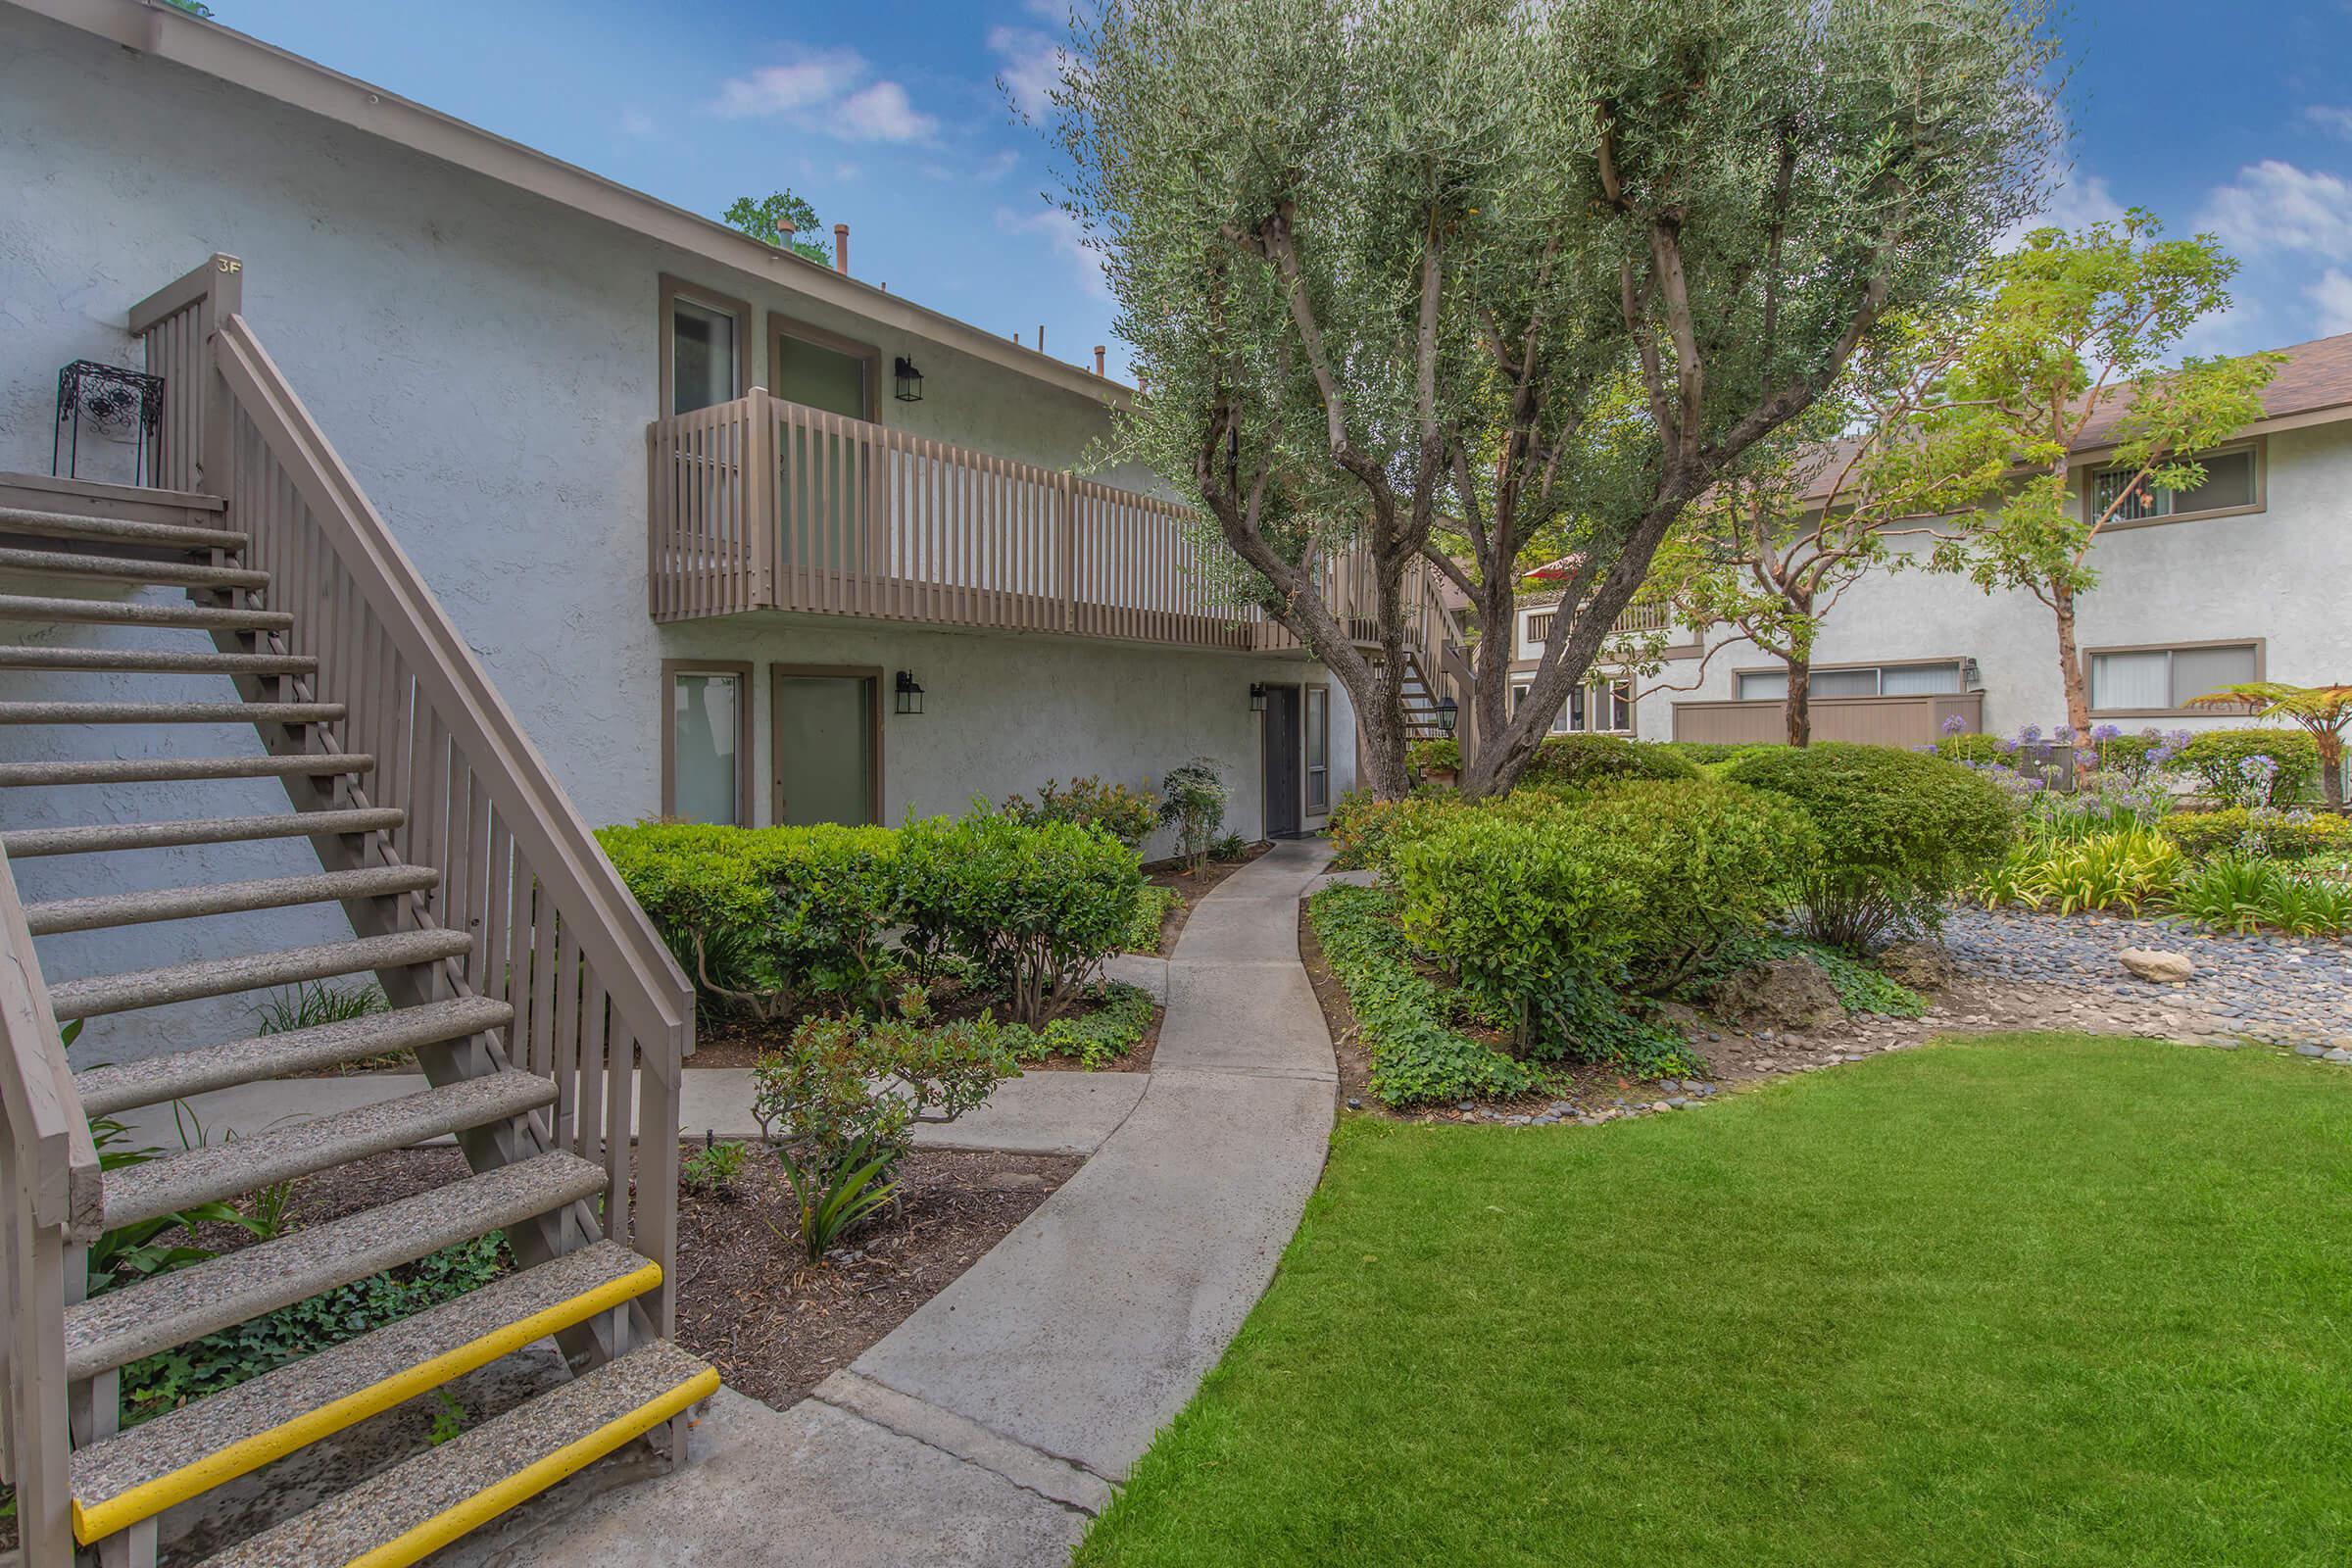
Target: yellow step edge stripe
(534,1478)
(96,1521)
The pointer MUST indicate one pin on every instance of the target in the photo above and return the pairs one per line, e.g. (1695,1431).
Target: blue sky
(886,115)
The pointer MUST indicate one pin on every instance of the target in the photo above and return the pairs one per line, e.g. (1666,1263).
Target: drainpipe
(841,249)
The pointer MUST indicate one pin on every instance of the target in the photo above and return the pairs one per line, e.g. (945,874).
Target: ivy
(1417,1060)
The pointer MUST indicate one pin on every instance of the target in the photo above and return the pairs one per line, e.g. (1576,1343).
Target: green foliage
(2324,712)
(1229,848)
(1859,987)
(1151,905)
(1417,1058)
(1971,747)
(315,1002)
(834,1197)
(842,1086)
(1193,804)
(194,8)
(449,1420)
(1901,833)
(1125,815)
(2234,892)
(2121,868)
(715,1167)
(775,921)
(172,1378)
(1037,910)
(1708,753)
(779,220)
(2259,831)
(1359,827)
(2226,762)
(1585,1021)
(1578,762)
(128,1254)
(1434,756)
(1119,1017)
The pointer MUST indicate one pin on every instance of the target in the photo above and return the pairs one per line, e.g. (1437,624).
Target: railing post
(760,507)
(223,299)
(1065,501)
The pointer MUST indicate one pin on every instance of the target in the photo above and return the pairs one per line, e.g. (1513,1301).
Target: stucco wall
(2271,575)
(486,363)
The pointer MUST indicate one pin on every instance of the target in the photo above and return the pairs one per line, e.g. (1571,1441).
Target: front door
(827,724)
(1282,762)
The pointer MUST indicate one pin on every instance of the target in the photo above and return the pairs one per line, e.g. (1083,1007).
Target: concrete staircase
(570,1280)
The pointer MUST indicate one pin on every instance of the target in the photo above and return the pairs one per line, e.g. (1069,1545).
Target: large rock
(1778,994)
(2151,964)
(1924,965)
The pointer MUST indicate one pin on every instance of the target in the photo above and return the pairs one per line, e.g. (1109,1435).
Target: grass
(2031,1300)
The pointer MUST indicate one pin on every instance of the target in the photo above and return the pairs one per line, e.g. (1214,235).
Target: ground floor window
(1599,706)
(1923,679)
(707,741)
(2163,680)
(1318,749)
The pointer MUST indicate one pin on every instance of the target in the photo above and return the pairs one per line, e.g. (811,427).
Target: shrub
(1969,746)
(2123,869)
(1194,808)
(715,1167)
(1036,910)
(1121,1017)
(777,920)
(1417,1058)
(1151,905)
(1435,755)
(2239,894)
(2145,754)
(2225,762)
(1364,830)
(1709,753)
(2260,831)
(1901,833)
(843,1089)
(1126,814)
(1573,761)
(1229,848)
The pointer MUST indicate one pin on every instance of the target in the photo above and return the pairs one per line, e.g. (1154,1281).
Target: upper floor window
(2232,483)
(1601,707)
(2162,681)
(706,348)
(1539,625)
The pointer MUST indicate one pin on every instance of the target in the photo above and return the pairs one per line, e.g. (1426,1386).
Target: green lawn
(2034,1300)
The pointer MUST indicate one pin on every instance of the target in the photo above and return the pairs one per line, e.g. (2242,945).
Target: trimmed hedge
(2284,836)
(2216,755)
(1901,832)
(1574,761)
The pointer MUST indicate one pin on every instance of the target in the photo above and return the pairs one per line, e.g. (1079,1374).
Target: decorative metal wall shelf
(118,403)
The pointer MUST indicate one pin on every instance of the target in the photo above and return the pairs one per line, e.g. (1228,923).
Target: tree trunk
(2070,666)
(1801,700)
(2332,771)
(1384,720)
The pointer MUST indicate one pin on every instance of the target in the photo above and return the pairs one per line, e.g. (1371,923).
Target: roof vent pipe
(841,249)
(1097,358)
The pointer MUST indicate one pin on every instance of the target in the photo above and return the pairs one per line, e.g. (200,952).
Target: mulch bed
(775,1326)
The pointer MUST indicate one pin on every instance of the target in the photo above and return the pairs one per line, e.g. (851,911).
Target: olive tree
(1457,281)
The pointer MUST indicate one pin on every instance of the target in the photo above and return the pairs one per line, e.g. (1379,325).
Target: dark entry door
(1282,760)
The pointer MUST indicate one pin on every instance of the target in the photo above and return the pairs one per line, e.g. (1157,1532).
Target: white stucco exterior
(487,361)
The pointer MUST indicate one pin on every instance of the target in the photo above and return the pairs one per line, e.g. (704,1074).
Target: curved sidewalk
(991,1424)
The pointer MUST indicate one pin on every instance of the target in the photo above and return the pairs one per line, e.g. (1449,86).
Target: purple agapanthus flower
(2028,735)
(1956,724)
(2101,734)
(2006,746)
(2063,735)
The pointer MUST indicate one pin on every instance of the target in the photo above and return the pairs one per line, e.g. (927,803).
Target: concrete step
(413,1509)
(153,1080)
(181,770)
(114,530)
(124,568)
(170,713)
(155,1314)
(217,1172)
(223,977)
(22,843)
(108,909)
(155,661)
(197,1447)
(116,613)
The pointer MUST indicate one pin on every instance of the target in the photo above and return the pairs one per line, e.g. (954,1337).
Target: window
(1318,749)
(1599,707)
(707,741)
(823,369)
(706,347)
(2162,681)
(1539,627)
(2231,484)
(1855,680)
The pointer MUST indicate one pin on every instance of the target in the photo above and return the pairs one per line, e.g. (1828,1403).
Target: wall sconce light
(1257,698)
(1447,712)
(910,695)
(910,380)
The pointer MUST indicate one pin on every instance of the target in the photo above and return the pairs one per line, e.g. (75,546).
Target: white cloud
(2333,294)
(996,166)
(2336,117)
(826,90)
(1031,70)
(1063,232)
(2275,206)
(636,123)
(2074,205)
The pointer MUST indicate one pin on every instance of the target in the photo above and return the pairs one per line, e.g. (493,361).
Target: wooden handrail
(647,989)
(36,1084)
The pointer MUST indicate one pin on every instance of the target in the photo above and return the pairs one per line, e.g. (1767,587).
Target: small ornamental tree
(2074,346)
(1462,285)
(779,220)
(2326,711)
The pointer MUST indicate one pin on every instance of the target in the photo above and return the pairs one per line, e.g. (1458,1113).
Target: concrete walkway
(994,1422)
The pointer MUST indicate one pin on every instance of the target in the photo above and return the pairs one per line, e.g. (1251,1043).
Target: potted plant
(1435,761)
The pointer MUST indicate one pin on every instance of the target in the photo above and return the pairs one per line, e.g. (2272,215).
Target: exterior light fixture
(1257,698)
(909,380)
(1447,712)
(910,695)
